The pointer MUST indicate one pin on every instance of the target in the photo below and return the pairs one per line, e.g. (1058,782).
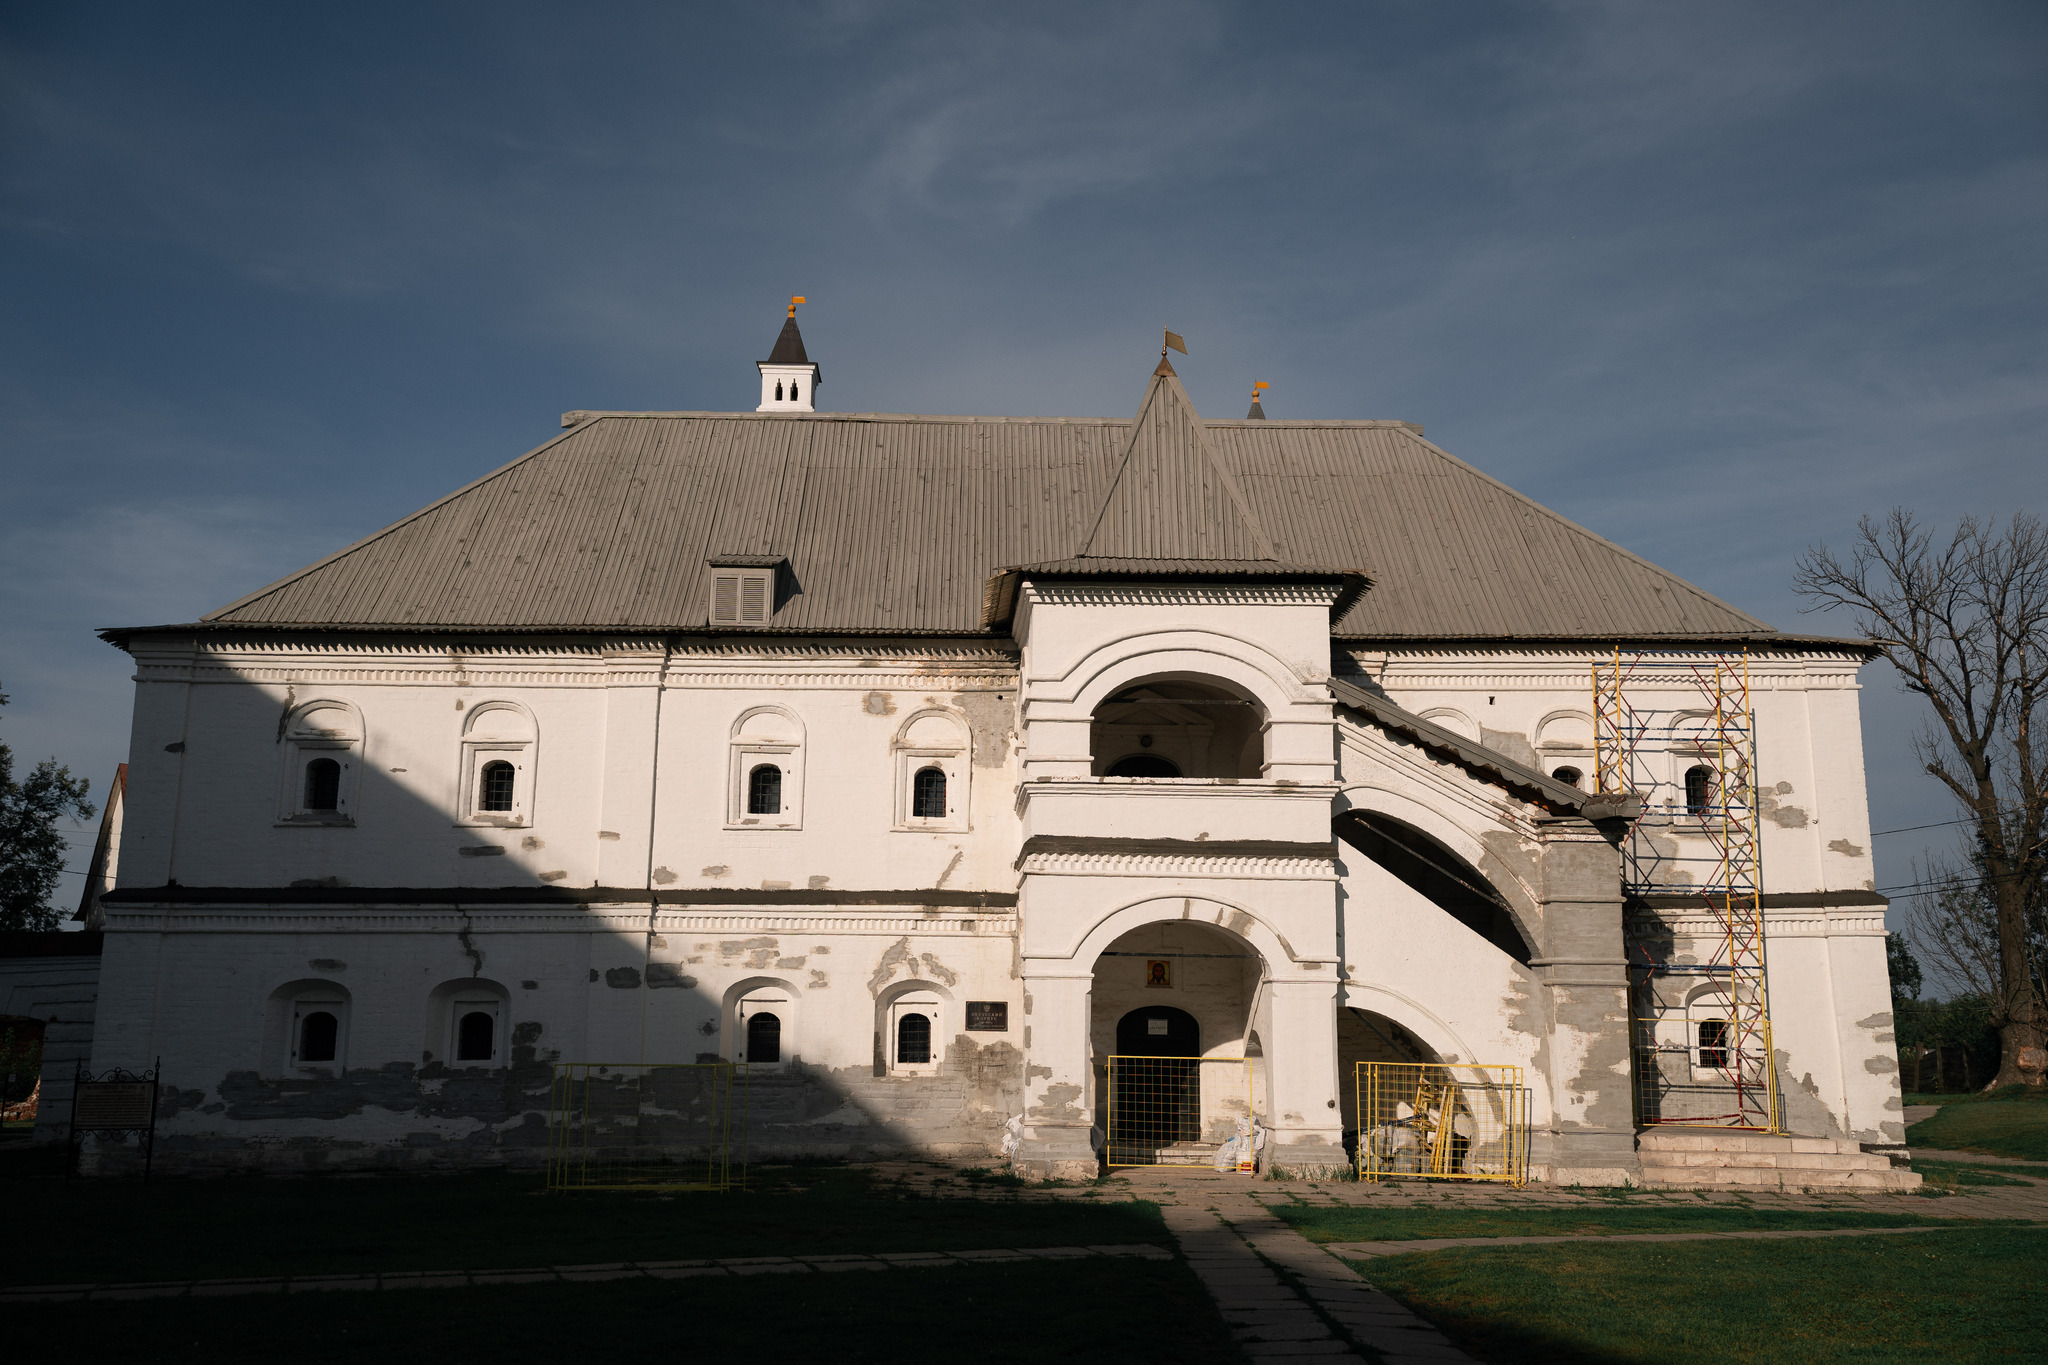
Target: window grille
(1714,1044)
(1699,789)
(764,1038)
(323,785)
(928,795)
(1569,776)
(914,1039)
(764,790)
(497,787)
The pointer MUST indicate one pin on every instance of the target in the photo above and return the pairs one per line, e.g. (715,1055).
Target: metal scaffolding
(1677,729)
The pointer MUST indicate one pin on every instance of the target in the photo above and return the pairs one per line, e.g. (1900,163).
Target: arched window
(496,790)
(323,785)
(1571,777)
(475,1039)
(319,1032)
(500,751)
(765,779)
(778,390)
(1177,727)
(764,1038)
(764,790)
(322,742)
(913,1039)
(1699,789)
(794,396)
(928,795)
(1143,765)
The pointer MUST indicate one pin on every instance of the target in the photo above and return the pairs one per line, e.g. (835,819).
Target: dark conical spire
(789,345)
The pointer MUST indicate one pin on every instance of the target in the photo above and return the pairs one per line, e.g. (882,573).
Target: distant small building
(921,763)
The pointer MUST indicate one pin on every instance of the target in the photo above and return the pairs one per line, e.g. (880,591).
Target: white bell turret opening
(789,381)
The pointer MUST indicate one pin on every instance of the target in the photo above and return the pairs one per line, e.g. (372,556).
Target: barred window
(928,795)
(1714,1044)
(496,787)
(1571,777)
(764,790)
(1699,789)
(914,1039)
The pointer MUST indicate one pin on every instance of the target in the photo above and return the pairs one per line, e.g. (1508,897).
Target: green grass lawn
(104,1231)
(1944,1176)
(1137,1311)
(2008,1122)
(1959,1296)
(1323,1224)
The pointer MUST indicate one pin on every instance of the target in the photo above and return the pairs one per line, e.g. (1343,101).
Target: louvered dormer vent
(743,589)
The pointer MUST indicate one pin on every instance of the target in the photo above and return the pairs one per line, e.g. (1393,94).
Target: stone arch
(1428,1028)
(1207,911)
(1195,656)
(1522,898)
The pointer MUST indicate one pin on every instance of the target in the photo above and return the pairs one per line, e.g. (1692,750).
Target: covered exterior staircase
(1706,1158)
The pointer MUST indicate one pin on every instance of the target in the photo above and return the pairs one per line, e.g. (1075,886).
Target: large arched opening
(1434,871)
(1164,996)
(1177,727)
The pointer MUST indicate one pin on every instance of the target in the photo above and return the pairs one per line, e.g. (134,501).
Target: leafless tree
(1965,623)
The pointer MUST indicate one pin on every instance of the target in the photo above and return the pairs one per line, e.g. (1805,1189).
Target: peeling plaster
(1843,846)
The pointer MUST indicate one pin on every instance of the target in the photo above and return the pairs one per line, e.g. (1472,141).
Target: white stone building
(822,735)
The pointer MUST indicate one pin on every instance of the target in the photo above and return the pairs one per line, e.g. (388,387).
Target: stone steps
(1690,1158)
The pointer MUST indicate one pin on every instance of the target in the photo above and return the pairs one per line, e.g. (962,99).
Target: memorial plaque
(113,1104)
(988,1016)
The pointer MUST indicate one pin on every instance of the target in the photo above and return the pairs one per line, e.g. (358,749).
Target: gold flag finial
(1256,386)
(794,302)
(1173,340)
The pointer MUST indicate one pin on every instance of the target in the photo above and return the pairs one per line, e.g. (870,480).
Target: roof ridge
(1590,534)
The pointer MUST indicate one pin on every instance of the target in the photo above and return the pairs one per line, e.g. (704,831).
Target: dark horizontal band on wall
(543,895)
(1174,848)
(1772,900)
(50,943)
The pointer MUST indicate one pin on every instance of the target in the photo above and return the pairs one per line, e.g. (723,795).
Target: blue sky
(1710,279)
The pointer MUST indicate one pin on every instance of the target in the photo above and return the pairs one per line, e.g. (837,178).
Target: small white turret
(789,381)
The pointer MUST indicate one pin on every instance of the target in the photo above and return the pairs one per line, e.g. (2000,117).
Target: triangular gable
(1171,496)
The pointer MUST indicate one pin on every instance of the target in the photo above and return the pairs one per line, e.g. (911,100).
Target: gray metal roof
(894,524)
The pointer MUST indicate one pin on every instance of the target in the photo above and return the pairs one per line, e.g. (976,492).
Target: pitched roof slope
(1171,496)
(893,524)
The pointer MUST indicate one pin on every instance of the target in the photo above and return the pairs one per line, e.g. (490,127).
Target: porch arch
(1235,920)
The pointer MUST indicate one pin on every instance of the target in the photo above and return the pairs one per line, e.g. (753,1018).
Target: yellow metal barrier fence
(647,1126)
(1177,1111)
(1436,1122)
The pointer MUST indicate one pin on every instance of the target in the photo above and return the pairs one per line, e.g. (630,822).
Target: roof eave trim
(999,596)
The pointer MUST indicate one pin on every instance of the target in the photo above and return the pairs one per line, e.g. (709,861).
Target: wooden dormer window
(742,594)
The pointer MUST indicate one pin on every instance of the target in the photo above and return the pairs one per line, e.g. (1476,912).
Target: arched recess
(759,995)
(1449,830)
(1433,871)
(322,742)
(1452,719)
(497,735)
(1187,726)
(765,738)
(450,1005)
(935,1003)
(932,741)
(285,1016)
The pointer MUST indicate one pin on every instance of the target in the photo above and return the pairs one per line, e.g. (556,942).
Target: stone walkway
(564,1274)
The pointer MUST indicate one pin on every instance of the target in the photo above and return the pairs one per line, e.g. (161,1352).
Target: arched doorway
(1166,995)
